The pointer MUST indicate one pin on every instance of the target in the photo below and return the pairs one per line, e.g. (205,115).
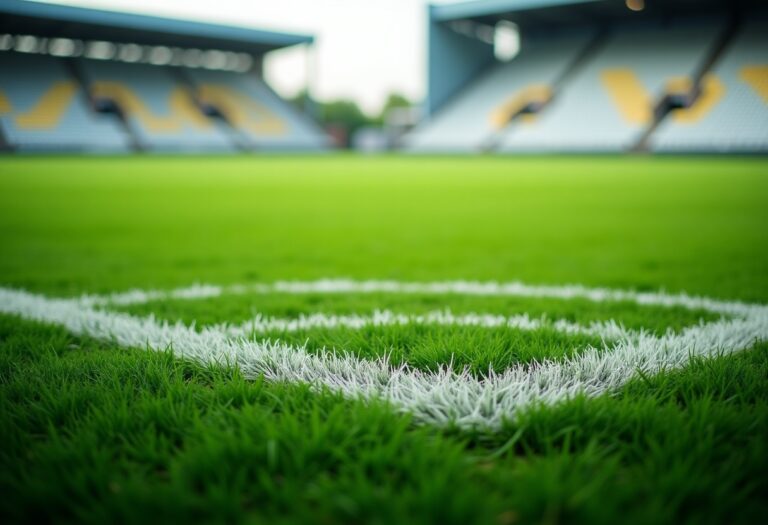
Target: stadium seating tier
(43,109)
(609,103)
(738,119)
(47,104)
(471,119)
(565,94)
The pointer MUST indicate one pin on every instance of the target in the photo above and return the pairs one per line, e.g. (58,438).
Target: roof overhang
(60,21)
(549,14)
(493,8)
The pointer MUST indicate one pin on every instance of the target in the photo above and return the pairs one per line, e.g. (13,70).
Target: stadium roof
(49,20)
(546,13)
(479,8)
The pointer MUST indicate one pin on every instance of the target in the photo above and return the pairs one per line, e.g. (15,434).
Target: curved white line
(347,286)
(443,397)
(608,330)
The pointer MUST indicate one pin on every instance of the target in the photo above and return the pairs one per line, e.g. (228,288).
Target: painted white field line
(609,330)
(136,296)
(347,286)
(442,397)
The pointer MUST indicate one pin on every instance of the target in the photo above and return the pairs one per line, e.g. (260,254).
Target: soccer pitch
(384,340)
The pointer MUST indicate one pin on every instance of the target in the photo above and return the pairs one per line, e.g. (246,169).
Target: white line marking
(443,397)
(609,330)
(194,292)
(347,286)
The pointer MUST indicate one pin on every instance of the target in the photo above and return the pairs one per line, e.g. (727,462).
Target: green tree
(344,113)
(394,101)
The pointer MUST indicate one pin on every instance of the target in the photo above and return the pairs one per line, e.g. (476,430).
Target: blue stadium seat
(609,103)
(473,116)
(160,109)
(42,108)
(264,119)
(736,116)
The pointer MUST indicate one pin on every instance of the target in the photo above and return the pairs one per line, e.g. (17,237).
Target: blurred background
(508,76)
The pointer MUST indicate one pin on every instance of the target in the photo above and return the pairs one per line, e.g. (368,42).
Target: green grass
(241,308)
(697,225)
(95,433)
(425,347)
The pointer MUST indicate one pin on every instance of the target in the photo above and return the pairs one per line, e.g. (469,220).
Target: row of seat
(42,107)
(472,117)
(607,103)
(735,100)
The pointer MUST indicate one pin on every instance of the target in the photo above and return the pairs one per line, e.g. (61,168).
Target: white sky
(364,49)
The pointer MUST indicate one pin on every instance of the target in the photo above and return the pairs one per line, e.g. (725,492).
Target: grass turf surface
(424,347)
(94,433)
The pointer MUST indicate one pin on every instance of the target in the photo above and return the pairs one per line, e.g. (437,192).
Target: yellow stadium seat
(50,109)
(757,78)
(535,94)
(183,111)
(629,95)
(712,91)
(241,110)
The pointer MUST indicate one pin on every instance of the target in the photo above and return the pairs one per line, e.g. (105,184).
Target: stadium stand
(262,118)
(74,79)
(597,76)
(591,76)
(608,104)
(470,120)
(42,108)
(731,114)
(160,110)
